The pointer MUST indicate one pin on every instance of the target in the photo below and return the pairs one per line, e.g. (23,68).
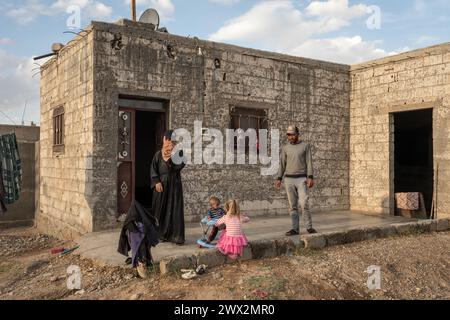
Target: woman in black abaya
(167,201)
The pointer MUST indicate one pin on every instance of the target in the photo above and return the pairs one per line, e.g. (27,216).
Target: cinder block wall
(65,178)
(130,59)
(21,213)
(413,80)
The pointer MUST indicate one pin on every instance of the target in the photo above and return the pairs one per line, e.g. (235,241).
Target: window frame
(58,129)
(260,114)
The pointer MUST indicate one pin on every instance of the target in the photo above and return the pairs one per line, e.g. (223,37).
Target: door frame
(142,105)
(392,114)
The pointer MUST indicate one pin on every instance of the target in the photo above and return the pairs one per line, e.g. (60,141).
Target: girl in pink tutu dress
(232,240)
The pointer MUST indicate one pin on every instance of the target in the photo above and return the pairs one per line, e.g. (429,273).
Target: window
(248,118)
(58,129)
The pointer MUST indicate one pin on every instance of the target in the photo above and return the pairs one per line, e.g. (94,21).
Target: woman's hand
(159,187)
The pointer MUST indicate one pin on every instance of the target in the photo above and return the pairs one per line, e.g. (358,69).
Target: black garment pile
(138,235)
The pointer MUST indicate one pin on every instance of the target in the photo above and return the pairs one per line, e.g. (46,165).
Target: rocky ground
(412,267)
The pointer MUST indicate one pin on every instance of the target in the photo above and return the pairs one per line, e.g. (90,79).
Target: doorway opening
(141,128)
(149,131)
(413,154)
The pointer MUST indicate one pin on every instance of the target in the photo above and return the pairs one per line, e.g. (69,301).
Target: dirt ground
(412,267)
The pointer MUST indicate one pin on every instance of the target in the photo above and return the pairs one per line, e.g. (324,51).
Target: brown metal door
(126,159)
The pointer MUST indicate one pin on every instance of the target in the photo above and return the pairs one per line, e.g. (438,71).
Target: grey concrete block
(434,225)
(388,231)
(284,246)
(372,233)
(264,249)
(404,228)
(314,241)
(335,238)
(443,225)
(424,226)
(177,263)
(247,254)
(354,235)
(211,258)
(300,244)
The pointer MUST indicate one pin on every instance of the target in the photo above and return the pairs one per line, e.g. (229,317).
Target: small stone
(80,292)
(217,276)
(128,277)
(136,296)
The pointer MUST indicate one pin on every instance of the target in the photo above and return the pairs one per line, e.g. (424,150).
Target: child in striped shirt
(232,240)
(215,212)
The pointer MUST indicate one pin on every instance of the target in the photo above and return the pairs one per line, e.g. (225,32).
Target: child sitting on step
(232,240)
(214,213)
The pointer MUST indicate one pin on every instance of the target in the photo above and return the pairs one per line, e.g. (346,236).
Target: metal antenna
(23,114)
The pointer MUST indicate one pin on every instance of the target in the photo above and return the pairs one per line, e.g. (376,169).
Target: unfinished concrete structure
(22,212)
(109,94)
(399,130)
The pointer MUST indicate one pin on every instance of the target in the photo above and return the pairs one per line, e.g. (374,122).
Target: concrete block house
(110,93)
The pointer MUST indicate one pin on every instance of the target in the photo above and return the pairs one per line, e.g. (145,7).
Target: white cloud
(28,12)
(419,5)
(426,39)
(278,25)
(17,87)
(100,10)
(93,9)
(348,50)
(336,9)
(165,8)
(5,41)
(270,23)
(225,2)
(32,9)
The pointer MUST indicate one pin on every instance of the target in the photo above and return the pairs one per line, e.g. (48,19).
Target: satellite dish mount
(150,16)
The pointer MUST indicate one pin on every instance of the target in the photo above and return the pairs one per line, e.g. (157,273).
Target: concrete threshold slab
(266,237)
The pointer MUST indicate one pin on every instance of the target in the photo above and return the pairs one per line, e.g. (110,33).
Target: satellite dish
(150,16)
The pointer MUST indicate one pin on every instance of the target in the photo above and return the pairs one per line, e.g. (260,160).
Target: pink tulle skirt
(231,245)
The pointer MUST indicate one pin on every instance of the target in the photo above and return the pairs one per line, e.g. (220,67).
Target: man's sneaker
(292,233)
(312,231)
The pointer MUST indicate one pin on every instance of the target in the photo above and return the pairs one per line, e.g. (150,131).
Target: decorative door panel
(125,187)
(125,135)
(125,158)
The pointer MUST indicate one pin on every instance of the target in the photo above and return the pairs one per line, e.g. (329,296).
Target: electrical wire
(6,116)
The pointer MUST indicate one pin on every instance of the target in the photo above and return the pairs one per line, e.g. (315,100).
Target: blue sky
(345,31)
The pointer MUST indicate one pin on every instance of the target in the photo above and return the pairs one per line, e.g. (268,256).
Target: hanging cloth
(3,208)
(11,172)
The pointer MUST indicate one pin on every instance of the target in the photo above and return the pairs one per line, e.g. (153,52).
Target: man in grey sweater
(297,169)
